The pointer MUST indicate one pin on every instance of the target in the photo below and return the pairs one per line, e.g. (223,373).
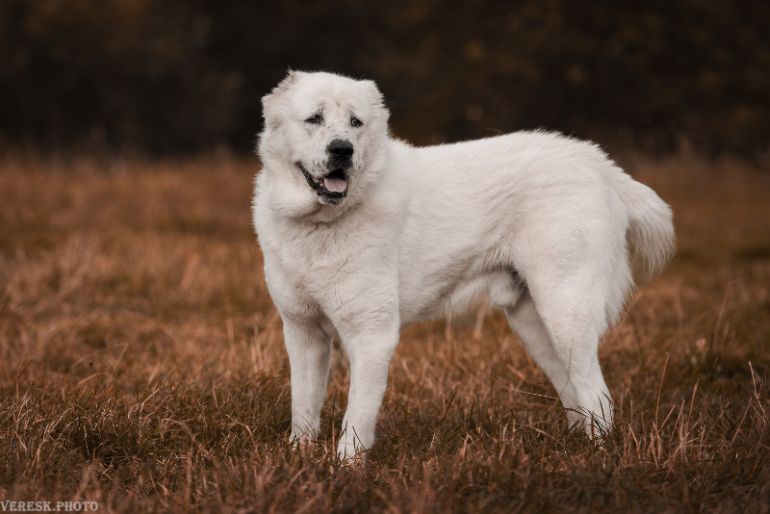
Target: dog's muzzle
(333,186)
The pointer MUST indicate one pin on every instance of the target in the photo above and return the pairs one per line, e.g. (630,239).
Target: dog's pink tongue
(335,185)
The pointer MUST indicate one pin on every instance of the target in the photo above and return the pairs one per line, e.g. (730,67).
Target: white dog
(362,234)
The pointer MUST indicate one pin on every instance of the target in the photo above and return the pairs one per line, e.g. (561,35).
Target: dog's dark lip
(317,183)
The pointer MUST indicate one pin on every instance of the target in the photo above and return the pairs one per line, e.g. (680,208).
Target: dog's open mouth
(333,186)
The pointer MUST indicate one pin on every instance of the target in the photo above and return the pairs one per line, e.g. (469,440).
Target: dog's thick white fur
(545,227)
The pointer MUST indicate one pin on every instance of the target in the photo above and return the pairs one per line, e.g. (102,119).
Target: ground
(142,363)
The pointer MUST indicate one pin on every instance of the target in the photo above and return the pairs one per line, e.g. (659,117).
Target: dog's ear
(271,101)
(376,98)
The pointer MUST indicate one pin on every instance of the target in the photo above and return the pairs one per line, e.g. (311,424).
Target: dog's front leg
(369,350)
(309,350)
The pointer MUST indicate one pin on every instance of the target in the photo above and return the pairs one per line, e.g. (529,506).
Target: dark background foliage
(183,76)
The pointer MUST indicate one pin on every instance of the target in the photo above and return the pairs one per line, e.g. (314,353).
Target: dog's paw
(350,453)
(596,428)
(301,441)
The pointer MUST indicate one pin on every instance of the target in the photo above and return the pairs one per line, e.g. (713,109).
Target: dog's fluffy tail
(650,230)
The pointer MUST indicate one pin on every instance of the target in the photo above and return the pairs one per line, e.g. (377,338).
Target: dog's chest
(317,266)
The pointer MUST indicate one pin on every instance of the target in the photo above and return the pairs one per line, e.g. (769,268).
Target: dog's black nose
(340,149)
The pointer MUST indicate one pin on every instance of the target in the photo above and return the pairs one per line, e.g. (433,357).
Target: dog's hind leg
(525,321)
(575,317)
(309,352)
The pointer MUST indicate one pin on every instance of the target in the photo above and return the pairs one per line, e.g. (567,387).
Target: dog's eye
(355,122)
(315,119)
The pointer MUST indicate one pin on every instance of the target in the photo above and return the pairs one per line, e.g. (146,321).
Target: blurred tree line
(181,76)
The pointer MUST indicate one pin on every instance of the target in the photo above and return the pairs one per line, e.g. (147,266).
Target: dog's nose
(340,149)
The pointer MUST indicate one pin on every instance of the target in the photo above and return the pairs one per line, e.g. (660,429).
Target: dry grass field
(142,363)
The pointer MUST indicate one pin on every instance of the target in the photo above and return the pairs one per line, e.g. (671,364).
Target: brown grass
(141,364)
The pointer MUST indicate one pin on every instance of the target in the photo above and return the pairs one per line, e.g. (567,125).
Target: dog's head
(324,133)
